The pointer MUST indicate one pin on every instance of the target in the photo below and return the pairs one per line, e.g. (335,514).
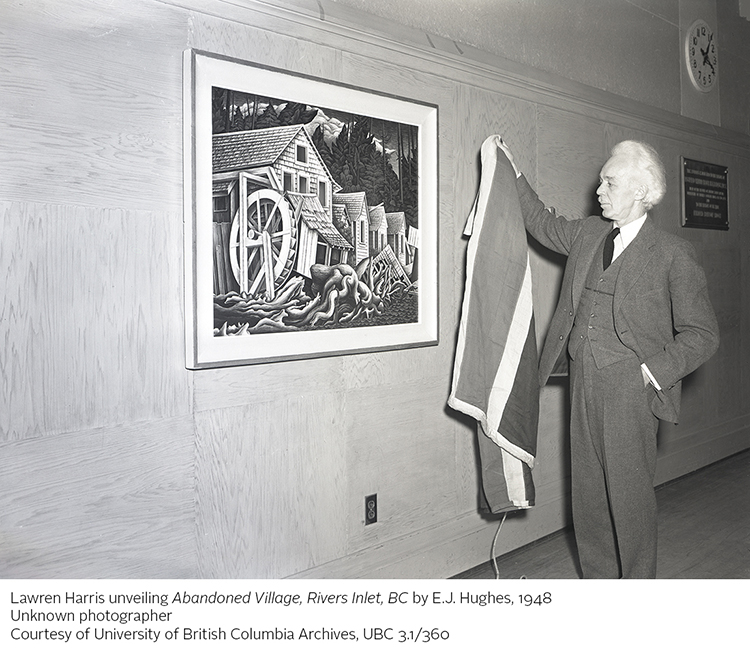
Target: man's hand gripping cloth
(495,376)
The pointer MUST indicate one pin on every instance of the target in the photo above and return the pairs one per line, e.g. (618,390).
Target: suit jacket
(661,307)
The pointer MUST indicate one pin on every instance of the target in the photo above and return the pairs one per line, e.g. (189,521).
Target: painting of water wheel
(311,216)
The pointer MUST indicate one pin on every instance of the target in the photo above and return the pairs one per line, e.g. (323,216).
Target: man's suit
(661,316)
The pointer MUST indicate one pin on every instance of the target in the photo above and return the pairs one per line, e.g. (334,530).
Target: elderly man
(635,315)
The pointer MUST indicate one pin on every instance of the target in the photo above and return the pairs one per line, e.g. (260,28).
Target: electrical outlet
(371,509)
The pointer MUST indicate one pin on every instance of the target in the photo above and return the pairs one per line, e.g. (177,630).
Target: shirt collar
(630,231)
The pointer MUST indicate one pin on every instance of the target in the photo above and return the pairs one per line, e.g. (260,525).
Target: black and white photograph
(374,325)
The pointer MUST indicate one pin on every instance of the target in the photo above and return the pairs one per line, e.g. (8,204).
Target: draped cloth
(495,379)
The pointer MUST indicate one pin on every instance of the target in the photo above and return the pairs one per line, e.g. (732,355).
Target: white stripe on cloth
(514,480)
(506,372)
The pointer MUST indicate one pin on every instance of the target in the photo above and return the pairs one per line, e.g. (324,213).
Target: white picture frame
(265,232)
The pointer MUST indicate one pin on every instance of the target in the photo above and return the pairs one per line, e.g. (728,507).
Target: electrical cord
(494,544)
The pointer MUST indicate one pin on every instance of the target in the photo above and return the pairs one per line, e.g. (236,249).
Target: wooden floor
(704,532)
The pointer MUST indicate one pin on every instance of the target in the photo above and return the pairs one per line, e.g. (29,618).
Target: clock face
(701,56)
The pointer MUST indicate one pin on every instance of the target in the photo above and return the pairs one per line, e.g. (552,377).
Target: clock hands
(703,68)
(705,52)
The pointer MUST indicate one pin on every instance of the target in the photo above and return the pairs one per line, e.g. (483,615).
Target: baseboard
(451,548)
(444,550)
(702,449)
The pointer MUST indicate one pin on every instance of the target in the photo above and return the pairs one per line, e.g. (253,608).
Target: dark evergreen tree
(267,118)
(220,109)
(410,171)
(339,165)
(322,147)
(296,113)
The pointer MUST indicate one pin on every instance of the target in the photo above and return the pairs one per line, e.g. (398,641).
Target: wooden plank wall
(96,430)
(115,461)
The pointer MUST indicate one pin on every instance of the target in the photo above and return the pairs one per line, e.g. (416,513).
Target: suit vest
(594,322)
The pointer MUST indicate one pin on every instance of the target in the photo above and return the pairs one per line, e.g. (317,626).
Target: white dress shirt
(627,234)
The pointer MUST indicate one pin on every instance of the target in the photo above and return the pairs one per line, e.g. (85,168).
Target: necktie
(609,247)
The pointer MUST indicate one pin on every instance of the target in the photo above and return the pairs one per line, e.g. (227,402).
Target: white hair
(649,166)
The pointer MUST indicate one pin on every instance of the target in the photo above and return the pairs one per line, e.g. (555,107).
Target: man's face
(620,191)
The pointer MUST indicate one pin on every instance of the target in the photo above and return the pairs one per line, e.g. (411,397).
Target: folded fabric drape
(495,378)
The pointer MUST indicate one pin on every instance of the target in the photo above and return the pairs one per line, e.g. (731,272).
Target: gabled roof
(396,222)
(315,217)
(377,217)
(251,148)
(355,202)
(222,187)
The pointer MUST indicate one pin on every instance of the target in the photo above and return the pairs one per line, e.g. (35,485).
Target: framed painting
(311,224)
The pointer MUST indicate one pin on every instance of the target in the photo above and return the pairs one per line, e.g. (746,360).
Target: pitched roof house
(285,160)
(358,213)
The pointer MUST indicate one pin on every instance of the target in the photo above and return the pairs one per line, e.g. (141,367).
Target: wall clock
(701,56)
